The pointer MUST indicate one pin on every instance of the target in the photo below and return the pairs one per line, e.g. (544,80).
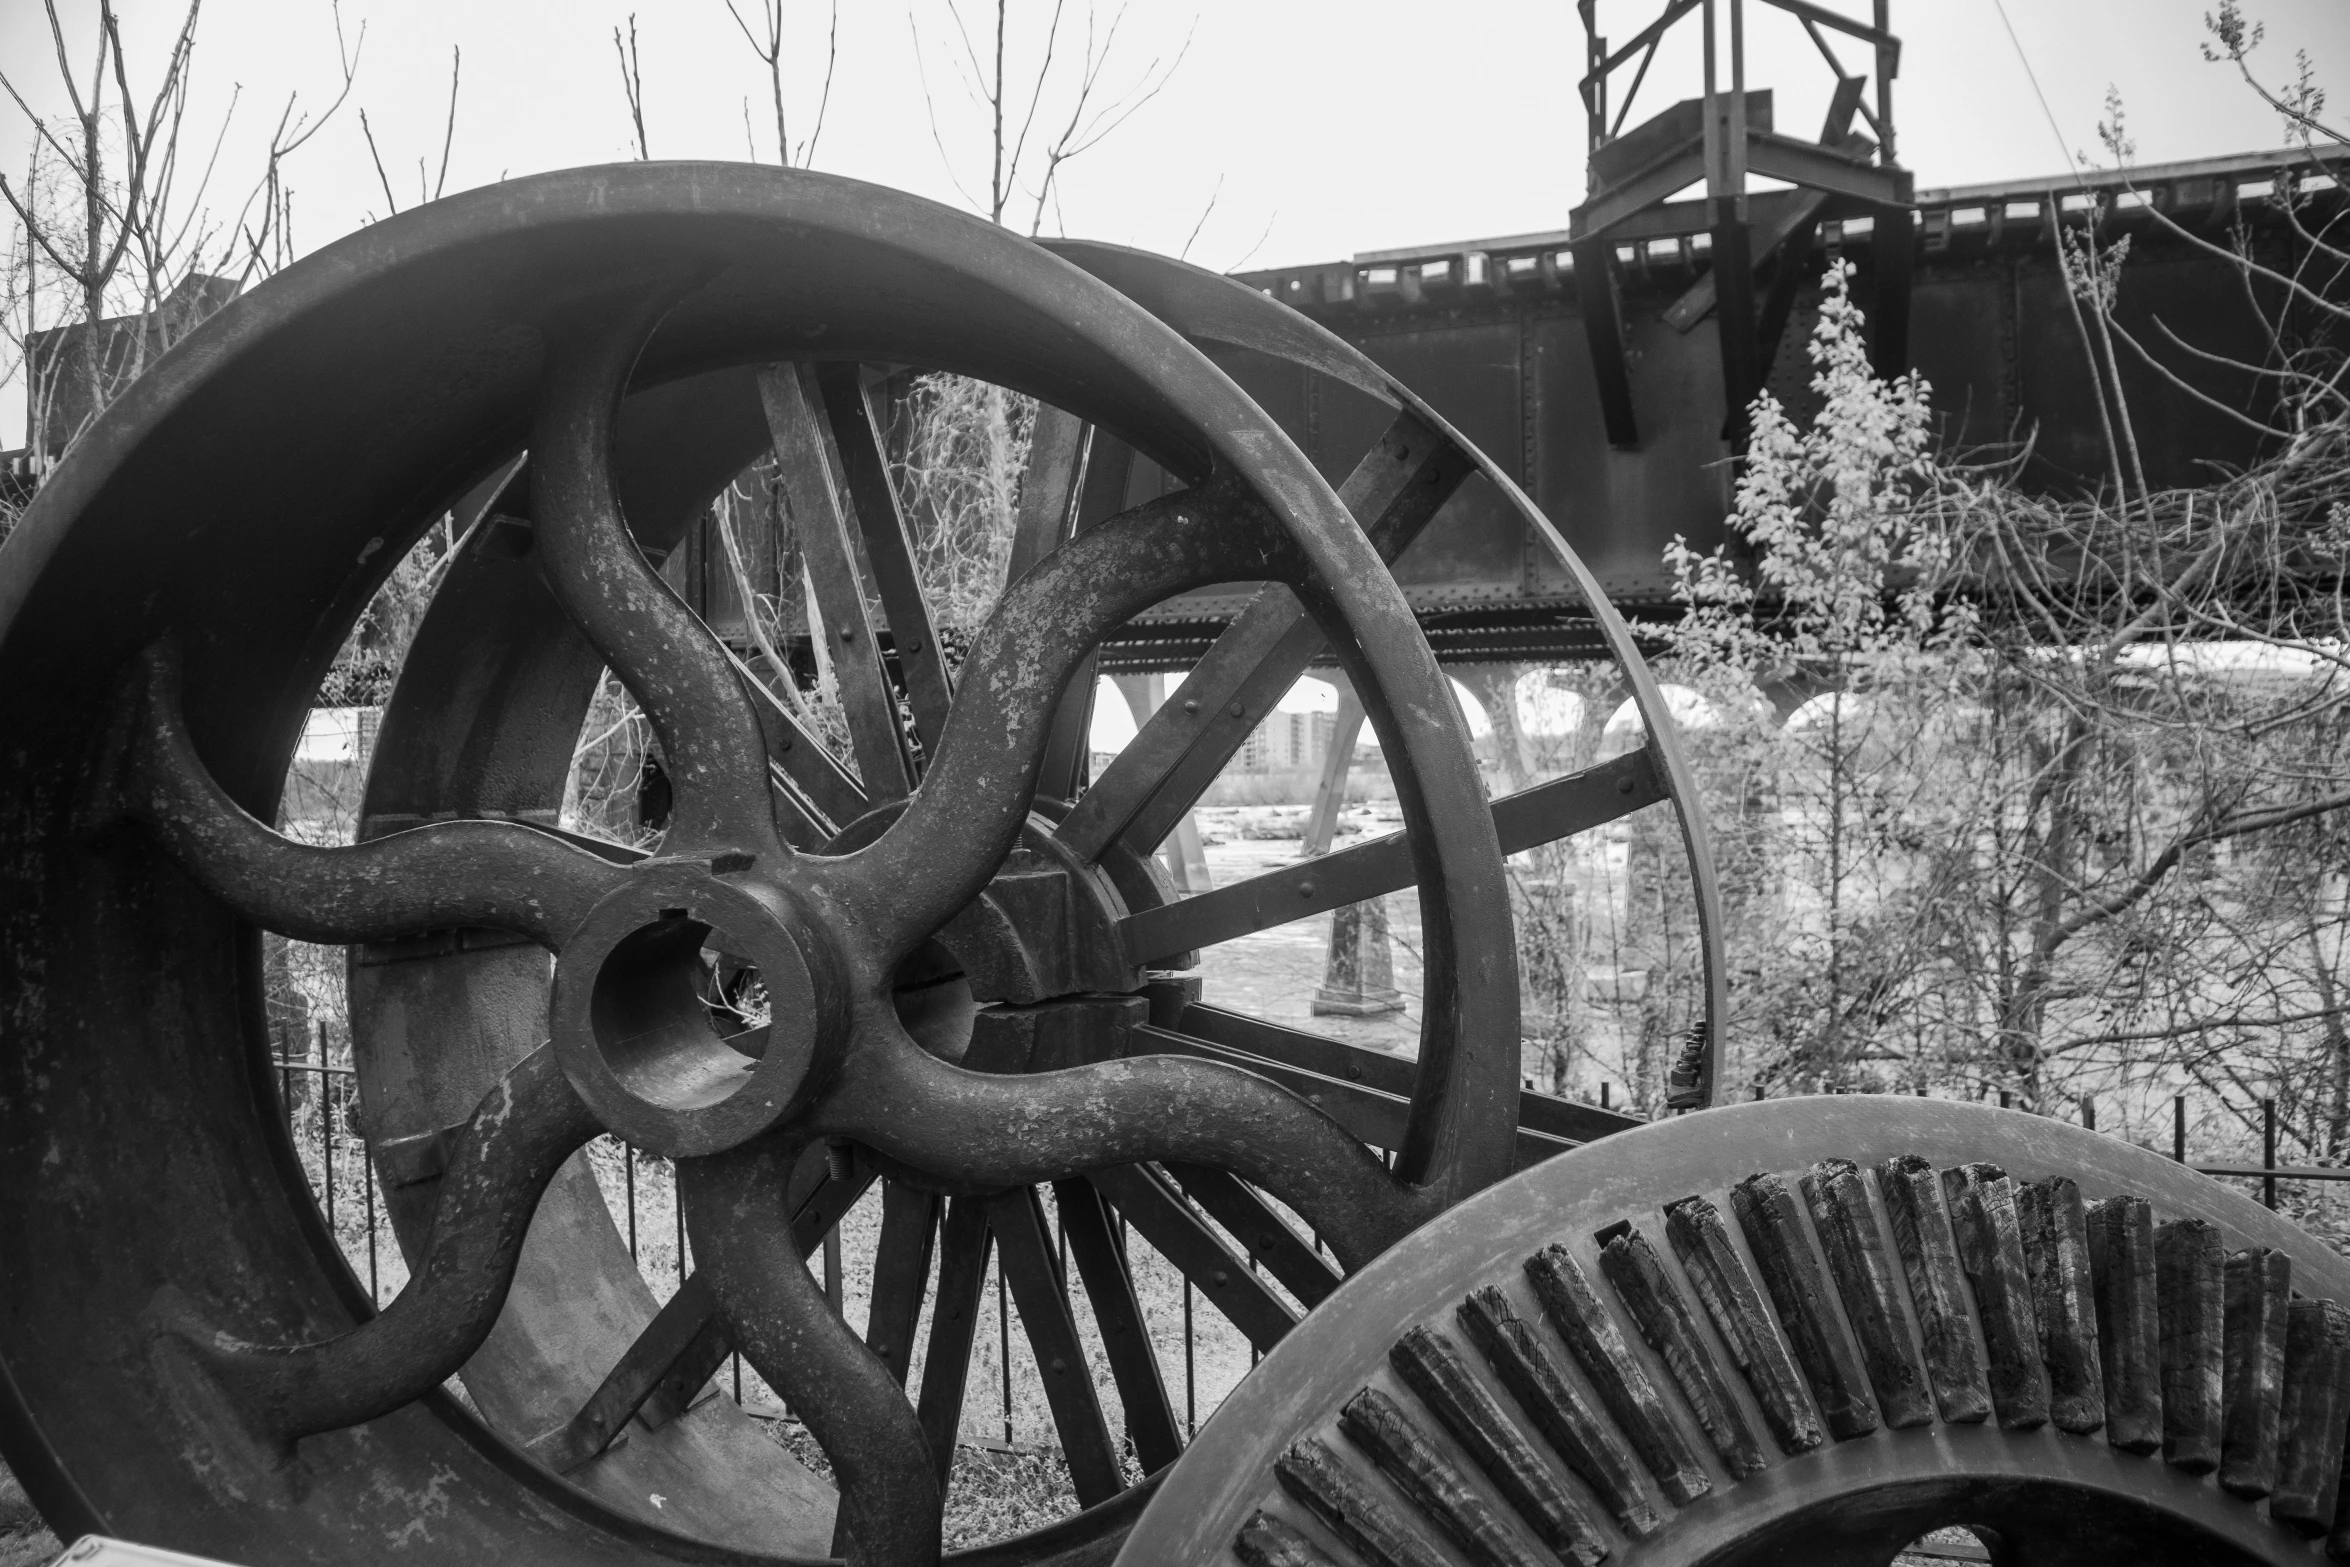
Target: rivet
(1305,889)
(848,633)
(1219,1278)
(1624,785)
(1239,710)
(1191,705)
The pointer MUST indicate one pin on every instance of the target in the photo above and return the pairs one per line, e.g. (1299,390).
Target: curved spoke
(785,1327)
(520,1134)
(963,821)
(504,875)
(676,668)
(995,1131)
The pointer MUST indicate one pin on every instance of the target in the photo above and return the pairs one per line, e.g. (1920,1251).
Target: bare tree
(632,82)
(106,226)
(426,190)
(767,44)
(1022,159)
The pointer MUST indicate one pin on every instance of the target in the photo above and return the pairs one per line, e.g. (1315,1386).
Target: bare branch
(1185,253)
(390,201)
(449,132)
(632,82)
(824,99)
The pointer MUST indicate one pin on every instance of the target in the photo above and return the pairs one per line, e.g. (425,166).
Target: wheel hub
(641,1013)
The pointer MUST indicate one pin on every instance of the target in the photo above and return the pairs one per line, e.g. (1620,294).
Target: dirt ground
(1274,973)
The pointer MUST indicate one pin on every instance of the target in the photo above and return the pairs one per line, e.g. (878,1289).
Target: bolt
(731,863)
(836,1160)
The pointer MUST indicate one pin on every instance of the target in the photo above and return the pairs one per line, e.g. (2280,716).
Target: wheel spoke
(675,1355)
(1397,487)
(1378,1117)
(1525,820)
(901,1273)
(1333,1058)
(815,796)
(963,1247)
(677,669)
(1026,1256)
(810,468)
(1074,498)
(518,1137)
(1149,1201)
(503,875)
(1134,1360)
(785,1327)
(889,549)
(1287,1255)
(985,1130)
(956,831)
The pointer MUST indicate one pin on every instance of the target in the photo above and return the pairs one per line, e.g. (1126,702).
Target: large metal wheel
(186,1358)
(1810,1331)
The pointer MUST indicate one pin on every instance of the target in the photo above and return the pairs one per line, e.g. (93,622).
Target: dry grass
(24,1540)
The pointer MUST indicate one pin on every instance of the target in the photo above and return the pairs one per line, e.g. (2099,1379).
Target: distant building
(1285,742)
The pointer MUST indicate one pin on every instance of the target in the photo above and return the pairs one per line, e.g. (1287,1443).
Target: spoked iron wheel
(188,1361)
(1809,1331)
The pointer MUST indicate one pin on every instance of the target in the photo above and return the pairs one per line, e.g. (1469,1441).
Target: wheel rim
(442,402)
(2074,1409)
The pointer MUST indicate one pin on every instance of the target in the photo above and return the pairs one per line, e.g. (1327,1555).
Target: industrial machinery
(978,984)
(1813,1330)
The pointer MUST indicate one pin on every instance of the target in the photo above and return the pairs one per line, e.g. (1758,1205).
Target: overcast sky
(1290,131)
(1318,129)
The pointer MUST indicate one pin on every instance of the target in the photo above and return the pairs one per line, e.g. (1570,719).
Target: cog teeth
(2096,1319)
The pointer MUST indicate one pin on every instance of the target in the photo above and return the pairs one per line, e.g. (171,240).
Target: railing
(2268,1172)
(319,1101)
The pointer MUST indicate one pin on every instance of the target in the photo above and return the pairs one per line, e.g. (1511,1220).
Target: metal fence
(319,1101)
(2264,1111)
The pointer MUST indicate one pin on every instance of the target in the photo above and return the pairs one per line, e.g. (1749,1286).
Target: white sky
(1317,129)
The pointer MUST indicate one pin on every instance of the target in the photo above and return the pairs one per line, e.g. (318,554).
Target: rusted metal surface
(1494,333)
(958,1012)
(1549,1268)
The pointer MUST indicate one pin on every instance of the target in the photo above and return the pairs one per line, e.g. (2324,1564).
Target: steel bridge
(1494,333)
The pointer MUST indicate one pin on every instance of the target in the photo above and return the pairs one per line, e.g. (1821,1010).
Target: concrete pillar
(1359,980)
(1495,686)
